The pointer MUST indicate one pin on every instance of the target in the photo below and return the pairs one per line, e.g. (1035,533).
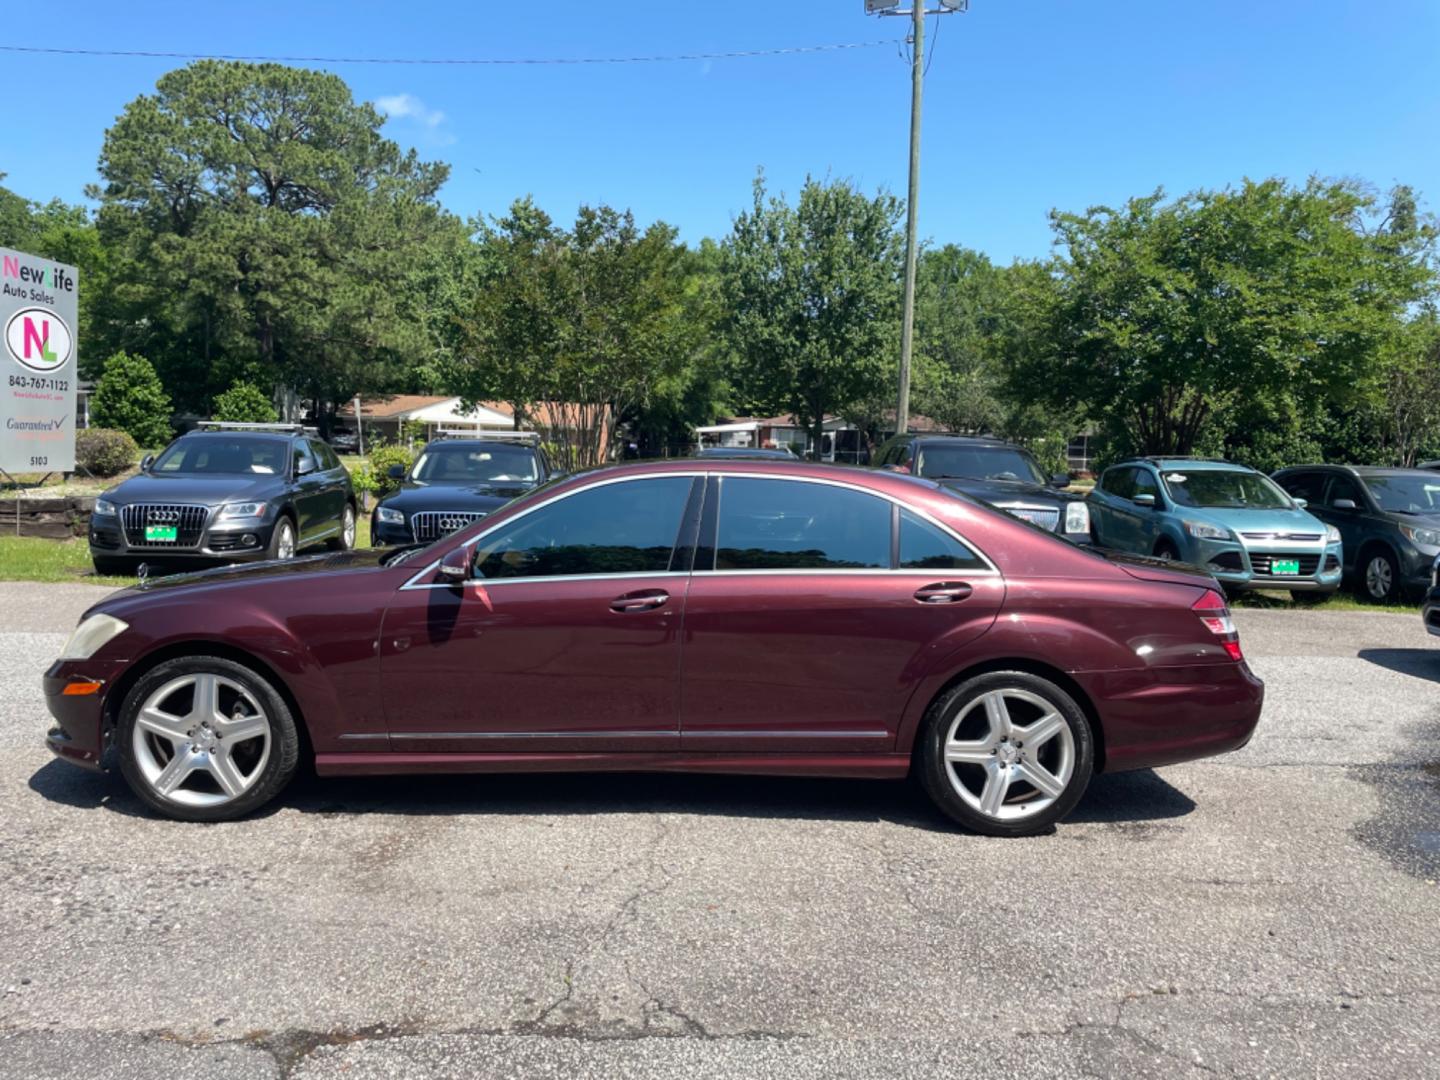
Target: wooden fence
(52,518)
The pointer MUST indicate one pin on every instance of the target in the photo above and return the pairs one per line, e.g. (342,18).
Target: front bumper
(1430,612)
(81,733)
(230,541)
(1239,567)
(389,534)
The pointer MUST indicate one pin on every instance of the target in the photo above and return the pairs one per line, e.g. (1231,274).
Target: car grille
(1303,538)
(1046,517)
(430,525)
(189,522)
(1260,563)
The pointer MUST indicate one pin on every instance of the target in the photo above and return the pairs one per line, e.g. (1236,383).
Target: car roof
(964,440)
(1363,470)
(1191,464)
(212,433)
(447,441)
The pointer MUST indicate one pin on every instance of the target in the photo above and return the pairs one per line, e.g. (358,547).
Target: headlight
(1203,530)
(94,632)
(104,509)
(390,517)
(1422,537)
(1077,517)
(242,510)
(1332,535)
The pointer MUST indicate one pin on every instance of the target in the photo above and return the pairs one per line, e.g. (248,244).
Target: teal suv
(1232,521)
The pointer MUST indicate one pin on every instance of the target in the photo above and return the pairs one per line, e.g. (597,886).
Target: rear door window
(924,546)
(1119,482)
(799,525)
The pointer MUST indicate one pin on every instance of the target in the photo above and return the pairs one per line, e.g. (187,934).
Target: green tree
(590,323)
(1173,323)
(265,227)
(130,398)
(244,403)
(811,300)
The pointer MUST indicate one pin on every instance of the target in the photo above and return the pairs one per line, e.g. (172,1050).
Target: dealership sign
(38,364)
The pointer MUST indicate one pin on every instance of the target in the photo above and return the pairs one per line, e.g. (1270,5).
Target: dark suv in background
(225,493)
(1001,473)
(1389,520)
(455,481)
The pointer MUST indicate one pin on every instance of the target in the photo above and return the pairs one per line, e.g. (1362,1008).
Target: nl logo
(39,339)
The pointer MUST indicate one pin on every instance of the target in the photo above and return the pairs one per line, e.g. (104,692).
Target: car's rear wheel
(346,540)
(206,739)
(1006,754)
(282,539)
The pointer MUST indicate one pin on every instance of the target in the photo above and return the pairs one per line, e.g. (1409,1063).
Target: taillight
(1215,615)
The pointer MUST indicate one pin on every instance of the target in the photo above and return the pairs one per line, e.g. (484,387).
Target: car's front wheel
(1006,753)
(346,540)
(1379,576)
(206,739)
(282,539)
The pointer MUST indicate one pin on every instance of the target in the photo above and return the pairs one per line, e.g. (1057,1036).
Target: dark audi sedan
(226,493)
(733,617)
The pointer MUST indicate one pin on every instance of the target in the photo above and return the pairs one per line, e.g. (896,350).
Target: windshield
(1225,488)
(1406,493)
(442,464)
(978,463)
(224,455)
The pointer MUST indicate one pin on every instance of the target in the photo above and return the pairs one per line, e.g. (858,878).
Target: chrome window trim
(412,583)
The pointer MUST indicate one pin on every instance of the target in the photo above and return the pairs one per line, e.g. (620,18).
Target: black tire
(114,565)
(1377,575)
(276,541)
(347,526)
(940,778)
(1164,549)
(279,766)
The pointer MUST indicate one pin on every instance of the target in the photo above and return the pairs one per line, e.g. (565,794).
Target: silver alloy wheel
(285,549)
(201,740)
(1379,578)
(1006,769)
(347,528)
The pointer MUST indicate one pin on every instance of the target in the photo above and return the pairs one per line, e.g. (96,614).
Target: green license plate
(1283,567)
(161,533)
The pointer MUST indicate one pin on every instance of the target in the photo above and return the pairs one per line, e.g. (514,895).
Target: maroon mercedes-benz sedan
(740,617)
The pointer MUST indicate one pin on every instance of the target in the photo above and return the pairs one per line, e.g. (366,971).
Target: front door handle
(943,592)
(645,600)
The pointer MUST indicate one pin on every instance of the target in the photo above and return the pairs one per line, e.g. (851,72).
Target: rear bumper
(80,734)
(1166,715)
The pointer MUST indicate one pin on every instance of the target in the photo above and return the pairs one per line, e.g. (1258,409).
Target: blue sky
(1030,104)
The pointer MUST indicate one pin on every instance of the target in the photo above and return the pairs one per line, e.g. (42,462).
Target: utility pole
(917,15)
(912,213)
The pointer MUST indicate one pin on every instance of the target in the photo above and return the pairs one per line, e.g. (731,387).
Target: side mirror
(146,462)
(1060,480)
(396,472)
(1343,504)
(1302,503)
(455,566)
(1147,501)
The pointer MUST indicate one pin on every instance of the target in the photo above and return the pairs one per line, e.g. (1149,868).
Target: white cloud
(409,107)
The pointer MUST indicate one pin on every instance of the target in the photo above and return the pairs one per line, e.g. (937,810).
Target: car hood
(294,569)
(1241,519)
(154,487)
(1008,491)
(487,497)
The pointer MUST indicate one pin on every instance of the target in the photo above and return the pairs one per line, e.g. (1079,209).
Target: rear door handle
(943,592)
(645,600)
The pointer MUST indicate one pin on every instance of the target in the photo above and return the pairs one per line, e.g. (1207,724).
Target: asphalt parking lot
(1271,913)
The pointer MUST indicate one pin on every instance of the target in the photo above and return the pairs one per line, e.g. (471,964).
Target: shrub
(381,459)
(129,397)
(244,403)
(105,452)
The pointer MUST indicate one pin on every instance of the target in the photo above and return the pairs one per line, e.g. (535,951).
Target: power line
(481,61)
